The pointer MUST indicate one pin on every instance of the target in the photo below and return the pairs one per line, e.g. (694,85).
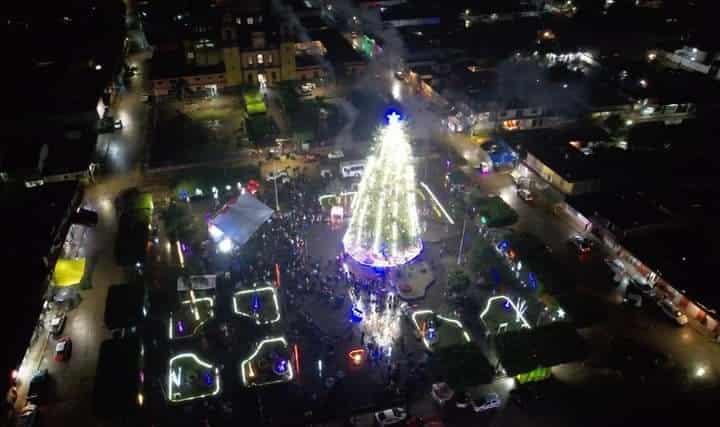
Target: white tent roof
(241,217)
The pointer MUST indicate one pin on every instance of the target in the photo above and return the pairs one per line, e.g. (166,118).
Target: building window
(260,18)
(250,20)
(274,76)
(316,74)
(238,21)
(269,58)
(249,59)
(251,78)
(260,59)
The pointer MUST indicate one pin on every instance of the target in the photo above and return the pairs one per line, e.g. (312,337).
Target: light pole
(277,202)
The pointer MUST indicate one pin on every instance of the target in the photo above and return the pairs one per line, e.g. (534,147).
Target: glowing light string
(246,370)
(267,289)
(519,309)
(175,379)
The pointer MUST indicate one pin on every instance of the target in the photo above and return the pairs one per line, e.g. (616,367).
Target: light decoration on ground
(185,383)
(181,257)
(251,369)
(519,308)
(430,337)
(437,203)
(252,296)
(380,321)
(183,328)
(357,356)
(384,230)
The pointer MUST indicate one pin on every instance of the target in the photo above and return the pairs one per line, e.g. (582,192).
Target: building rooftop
(53,89)
(68,151)
(683,257)
(553,148)
(338,48)
(172,64)
(626,211)
(30,220)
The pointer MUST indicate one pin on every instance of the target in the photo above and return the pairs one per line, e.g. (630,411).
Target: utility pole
(462,240)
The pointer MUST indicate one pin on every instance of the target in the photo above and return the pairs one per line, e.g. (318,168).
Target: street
(691,353)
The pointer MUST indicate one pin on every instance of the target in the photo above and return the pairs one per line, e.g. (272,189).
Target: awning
(240,218)
(68,272)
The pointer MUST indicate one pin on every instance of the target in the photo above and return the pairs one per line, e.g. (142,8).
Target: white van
(352,169)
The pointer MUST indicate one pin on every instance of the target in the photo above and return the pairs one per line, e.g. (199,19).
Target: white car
(336,154)
(391,416)
(281,175)
(615,265)
(489,401)
(57,324)
(673,312)
(441,393)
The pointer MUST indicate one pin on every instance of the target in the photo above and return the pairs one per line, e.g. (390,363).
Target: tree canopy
(527,349)
(462,366)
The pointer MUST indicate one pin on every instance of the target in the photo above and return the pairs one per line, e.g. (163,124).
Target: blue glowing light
(255,303)
(532,279)
(393,115)
(356,315)
(208,378)
(281,366)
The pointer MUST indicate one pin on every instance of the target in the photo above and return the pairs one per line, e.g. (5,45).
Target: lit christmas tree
(384,230)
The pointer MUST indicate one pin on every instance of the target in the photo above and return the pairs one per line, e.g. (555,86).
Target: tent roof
(241,217)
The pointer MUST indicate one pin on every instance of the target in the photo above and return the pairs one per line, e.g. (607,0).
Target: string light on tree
(384,230)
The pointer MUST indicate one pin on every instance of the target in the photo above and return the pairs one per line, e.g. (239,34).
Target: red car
(63,349)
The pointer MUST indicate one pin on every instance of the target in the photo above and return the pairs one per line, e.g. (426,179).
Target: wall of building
(233,66)
(162,87)
(288,66)
(311,73)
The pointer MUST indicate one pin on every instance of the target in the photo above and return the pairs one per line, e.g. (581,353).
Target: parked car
(643,288)
(462,400)
(305,88)
(582,244)
(57,324)
(391,416)
(86,217)
(632,299)
(63,349)
(615,265)
(525,194)
(487,402)
(671,310)
(441,393)
(281,175)
(38,386)
(336,154)
(28,416)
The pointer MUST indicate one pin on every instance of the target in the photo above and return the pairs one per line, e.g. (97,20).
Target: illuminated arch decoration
(421,326)
(190,378)
(384,229)
(193,314)
(519,308)
(260,304)
(259,370)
